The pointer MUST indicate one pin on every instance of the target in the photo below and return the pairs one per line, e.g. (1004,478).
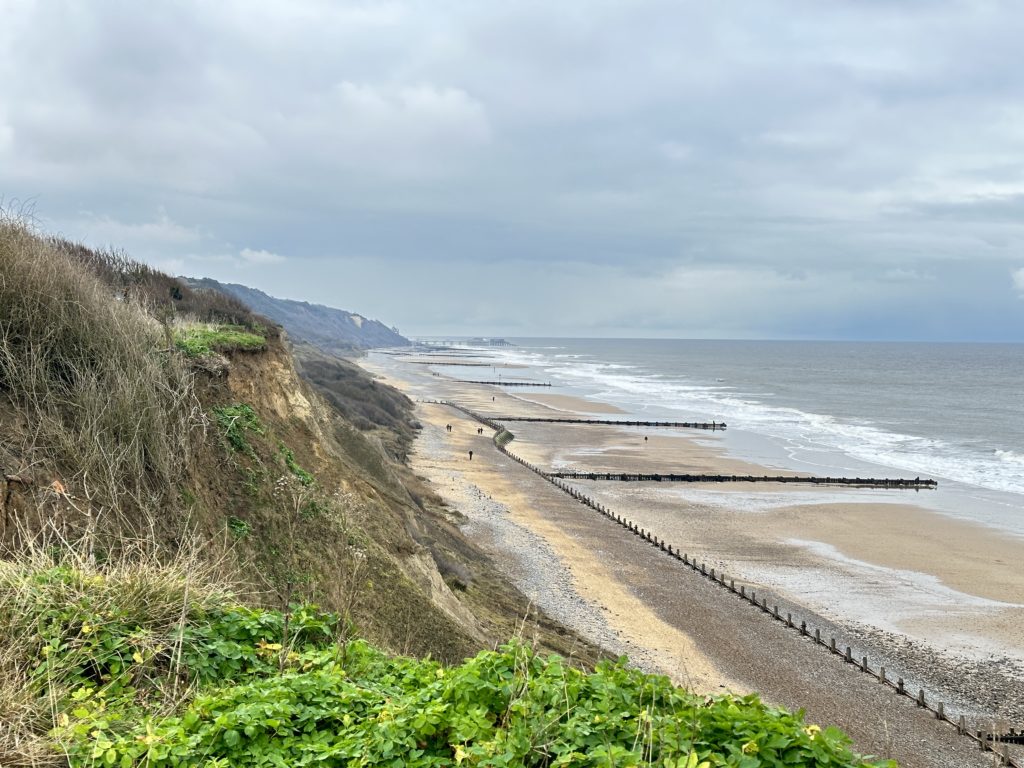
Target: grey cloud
(833,167)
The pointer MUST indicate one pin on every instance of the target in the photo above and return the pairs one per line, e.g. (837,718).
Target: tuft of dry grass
(164,294)
(105,400)
(54,588)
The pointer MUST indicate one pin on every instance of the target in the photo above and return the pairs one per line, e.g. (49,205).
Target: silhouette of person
(470,455)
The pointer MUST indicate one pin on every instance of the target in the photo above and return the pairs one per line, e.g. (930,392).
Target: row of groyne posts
(986,740)
(658,477)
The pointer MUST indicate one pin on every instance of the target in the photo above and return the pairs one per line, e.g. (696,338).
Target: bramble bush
(213,683)
(508,707)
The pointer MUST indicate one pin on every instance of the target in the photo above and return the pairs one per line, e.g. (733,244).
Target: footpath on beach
(792,658)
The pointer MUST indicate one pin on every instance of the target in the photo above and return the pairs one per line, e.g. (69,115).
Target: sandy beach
(568,403)
(934,597)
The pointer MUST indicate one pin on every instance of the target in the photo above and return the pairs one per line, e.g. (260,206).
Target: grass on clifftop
(135,664)
(201,340)
(81,368)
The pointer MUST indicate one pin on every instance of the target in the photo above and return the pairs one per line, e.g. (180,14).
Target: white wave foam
(1011,457)
(801,431)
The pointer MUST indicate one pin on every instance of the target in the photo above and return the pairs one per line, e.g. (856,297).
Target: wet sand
(878,526)
(573,405)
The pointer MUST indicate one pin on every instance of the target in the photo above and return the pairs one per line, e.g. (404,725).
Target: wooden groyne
(450,362)
(1013,737)
(710,425)
(495,423)
(500,383)
(660,477)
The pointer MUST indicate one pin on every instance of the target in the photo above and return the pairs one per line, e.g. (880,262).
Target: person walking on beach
(470,455)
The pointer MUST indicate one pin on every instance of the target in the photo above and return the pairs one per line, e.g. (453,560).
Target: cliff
(332,330)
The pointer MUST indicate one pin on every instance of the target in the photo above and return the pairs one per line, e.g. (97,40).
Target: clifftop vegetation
(155,664)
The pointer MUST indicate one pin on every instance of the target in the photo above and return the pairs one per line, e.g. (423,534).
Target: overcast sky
(748,169)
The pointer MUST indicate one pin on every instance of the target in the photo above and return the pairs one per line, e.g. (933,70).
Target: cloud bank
(655,168)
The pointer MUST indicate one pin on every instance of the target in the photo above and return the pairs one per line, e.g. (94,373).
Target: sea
(952,412)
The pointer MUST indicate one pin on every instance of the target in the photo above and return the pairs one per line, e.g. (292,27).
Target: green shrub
(147,666)
(314,508)
(293,466)
(238,527)
(508,707)
(236,420)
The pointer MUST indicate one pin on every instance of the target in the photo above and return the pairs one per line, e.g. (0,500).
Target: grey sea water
(954,412)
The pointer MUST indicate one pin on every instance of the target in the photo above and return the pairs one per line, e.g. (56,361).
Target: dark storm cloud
(654,168)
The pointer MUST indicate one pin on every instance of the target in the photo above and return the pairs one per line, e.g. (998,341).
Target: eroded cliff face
(315,508)
(376,541)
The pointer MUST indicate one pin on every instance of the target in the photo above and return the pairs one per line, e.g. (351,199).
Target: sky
(643,168)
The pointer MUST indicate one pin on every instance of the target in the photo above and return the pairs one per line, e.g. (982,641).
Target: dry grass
(52,588)
(104,400)
(163,294)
